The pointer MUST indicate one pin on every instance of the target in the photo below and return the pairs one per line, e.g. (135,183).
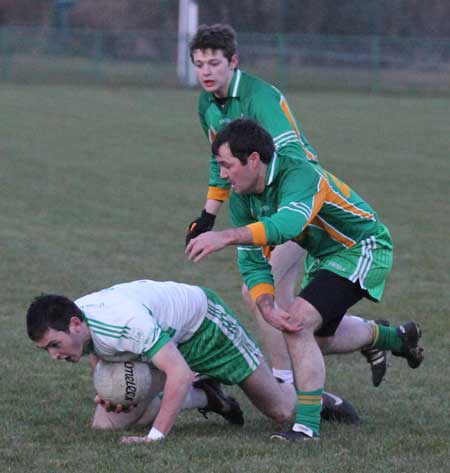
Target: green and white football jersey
(137,319)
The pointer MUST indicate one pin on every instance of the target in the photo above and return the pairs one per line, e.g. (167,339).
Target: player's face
(67,346)
(214,70)
(244,178)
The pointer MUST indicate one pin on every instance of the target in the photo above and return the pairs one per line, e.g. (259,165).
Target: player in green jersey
(230,93)
(279,198)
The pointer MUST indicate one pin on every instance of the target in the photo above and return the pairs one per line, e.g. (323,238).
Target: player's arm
(210,242)
(218,190)
(253,264)
(303,193)
(179,378)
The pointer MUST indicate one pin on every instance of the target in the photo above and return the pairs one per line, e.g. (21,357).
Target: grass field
(97,187)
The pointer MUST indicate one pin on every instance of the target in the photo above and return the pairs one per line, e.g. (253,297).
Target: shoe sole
(298,439)
(336,409)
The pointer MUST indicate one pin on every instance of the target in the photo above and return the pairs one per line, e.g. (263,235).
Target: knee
(102,424)
(104,420)
(302,311)
(282,414)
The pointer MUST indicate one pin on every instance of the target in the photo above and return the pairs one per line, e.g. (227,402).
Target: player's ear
(234,61)
(254,159)
(75,323)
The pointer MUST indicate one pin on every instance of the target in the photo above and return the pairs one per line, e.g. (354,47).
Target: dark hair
(244,136)
(50,311)
(215,37)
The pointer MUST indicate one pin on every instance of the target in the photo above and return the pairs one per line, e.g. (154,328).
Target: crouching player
(180,329)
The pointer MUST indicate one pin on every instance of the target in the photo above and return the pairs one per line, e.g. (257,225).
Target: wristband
(155,434)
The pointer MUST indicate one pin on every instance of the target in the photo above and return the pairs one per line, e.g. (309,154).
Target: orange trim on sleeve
(258,233)
(287,112)
(261,289)
(218,193)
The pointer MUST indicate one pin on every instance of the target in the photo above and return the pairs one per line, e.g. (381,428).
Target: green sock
(386,338)
(307,411)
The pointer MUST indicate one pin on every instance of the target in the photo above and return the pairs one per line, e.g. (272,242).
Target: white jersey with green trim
(135,319)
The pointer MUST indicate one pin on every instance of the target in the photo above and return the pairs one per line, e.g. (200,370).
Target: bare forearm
(237,236)
(213,206)
(175,390)
(210,242)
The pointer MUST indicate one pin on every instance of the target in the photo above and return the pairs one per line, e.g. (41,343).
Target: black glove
(202,224)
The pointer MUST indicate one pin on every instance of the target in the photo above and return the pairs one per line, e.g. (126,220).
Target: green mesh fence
(292,61)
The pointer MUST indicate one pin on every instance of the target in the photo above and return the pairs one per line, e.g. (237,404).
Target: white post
(187,26)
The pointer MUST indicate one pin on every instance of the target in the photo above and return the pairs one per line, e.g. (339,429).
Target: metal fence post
(2,64)
(3,61)
(375,50)
(282,61)
(98,54)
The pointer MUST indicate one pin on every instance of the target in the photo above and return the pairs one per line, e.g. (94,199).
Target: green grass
(98,186)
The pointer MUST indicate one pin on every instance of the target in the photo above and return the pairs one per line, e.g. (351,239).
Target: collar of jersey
(234,86)
(89,347)
(272,169)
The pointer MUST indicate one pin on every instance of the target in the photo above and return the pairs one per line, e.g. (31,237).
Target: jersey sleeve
(302,194)
(132,330)
(273,113)
(218,188)
(253,260)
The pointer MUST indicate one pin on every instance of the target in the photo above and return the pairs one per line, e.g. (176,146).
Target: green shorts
(221,348)
(368,263)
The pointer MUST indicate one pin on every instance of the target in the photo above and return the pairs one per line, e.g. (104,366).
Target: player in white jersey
(179,329)
(148,312)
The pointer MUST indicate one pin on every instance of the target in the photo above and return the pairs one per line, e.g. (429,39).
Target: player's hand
(281,320)
(202,224)
(130,439)
(205,244)
(110,407)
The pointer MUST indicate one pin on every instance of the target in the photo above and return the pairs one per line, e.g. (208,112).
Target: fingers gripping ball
(123,383)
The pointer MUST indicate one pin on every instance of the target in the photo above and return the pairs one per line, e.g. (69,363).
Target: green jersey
(307,204)
(253,98)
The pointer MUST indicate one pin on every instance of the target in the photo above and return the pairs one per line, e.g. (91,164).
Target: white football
(122,382)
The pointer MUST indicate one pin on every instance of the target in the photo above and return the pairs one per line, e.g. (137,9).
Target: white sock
(286,375)
(195,398)
(151,412)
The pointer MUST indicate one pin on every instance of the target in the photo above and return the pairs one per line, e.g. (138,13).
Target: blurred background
(103,165)
(375,46)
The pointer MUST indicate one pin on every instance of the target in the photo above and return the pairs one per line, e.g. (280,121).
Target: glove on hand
(202,224)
